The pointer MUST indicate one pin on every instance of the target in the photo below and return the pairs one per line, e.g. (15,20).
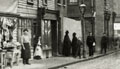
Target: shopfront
(8,26)
(49,34)
(25,23)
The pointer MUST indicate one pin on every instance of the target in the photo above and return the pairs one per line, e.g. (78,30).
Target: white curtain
(72,26)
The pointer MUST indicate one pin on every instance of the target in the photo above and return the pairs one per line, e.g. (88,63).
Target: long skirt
(25,53)
(38,52)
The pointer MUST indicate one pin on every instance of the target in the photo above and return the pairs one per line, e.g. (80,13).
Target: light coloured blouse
(25,39)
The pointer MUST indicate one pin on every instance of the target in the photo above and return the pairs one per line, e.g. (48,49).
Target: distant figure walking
(66,45)
(104,43)
(90,43)
(79,46)
(74,45)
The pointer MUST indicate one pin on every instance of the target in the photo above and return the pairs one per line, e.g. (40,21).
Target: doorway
(54,35)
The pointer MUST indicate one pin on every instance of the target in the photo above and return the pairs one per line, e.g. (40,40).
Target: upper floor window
(30,2)
(44,2)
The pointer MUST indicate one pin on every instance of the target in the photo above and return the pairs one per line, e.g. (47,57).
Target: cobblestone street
(111,61)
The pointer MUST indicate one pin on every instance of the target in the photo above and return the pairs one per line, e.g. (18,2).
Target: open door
(54,34)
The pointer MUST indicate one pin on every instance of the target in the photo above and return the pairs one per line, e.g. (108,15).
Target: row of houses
(51,18)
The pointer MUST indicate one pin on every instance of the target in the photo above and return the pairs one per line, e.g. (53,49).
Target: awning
(9,6)
(51,15)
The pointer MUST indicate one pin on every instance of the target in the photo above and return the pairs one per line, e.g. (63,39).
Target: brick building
(117,20)
(47,18)
(94,23)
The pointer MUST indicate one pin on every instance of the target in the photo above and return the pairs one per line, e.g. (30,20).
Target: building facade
(39,17)
(48,27)
(117,19)
(27,10)
(49,19)
(101,26)
(94,18)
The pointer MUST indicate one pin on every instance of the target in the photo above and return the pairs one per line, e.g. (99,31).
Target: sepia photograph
(59,34)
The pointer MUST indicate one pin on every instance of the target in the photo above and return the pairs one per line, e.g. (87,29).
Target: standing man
(25,41)
(104,43)
(66,45)
(90,43)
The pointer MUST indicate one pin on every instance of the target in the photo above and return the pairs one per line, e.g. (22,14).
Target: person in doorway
(38,51)
(104,43)
(35,43)
(90,43)
(25,41)
(66,45)
(74,45)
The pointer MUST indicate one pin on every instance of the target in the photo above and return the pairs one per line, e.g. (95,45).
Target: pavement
(54,62)
(111,61)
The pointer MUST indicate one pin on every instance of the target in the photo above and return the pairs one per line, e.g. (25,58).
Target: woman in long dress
(25,40)
(38,51)
(74,45)
(66,45)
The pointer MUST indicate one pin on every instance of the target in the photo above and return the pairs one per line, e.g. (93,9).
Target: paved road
(111,61)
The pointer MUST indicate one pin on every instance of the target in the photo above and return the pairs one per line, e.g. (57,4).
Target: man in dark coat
(74,45)
(90,41)
(104,42)
(66,45)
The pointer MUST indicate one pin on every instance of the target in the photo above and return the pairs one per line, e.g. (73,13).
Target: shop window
(30,2)
(23,24)
(73,1)
(46,35)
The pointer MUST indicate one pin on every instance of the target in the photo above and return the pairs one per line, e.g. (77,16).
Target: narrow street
(111,61)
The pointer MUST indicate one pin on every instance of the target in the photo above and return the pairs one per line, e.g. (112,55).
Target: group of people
(91,43)
(26,53)
(72,48)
